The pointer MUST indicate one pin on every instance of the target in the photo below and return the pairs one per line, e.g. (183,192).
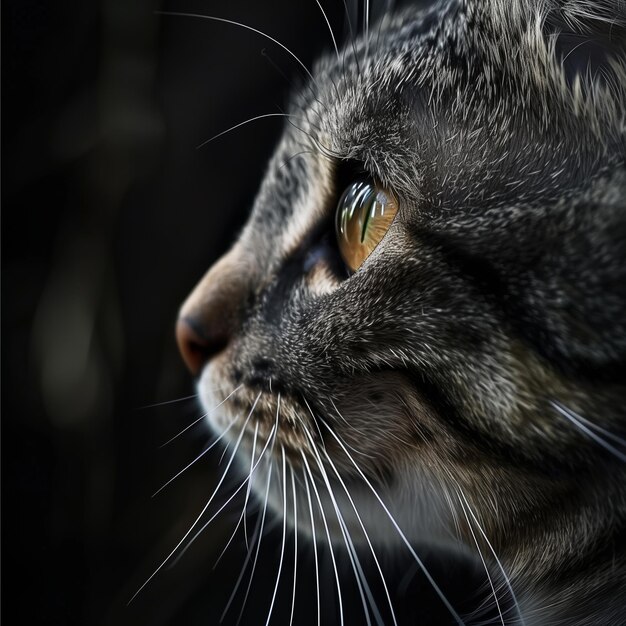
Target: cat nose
(195,346)
(208,318)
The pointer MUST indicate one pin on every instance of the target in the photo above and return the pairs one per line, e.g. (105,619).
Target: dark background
(109,216)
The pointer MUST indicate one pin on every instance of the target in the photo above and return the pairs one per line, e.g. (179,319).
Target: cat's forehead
(378,102)
(360,102)
(411,108)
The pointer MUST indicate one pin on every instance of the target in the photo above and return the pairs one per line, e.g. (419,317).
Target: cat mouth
(268,426)
(368,419)
(265,418)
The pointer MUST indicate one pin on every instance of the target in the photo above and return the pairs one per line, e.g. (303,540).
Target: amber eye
(364,214)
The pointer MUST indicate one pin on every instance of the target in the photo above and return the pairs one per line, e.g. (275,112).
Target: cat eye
(364,214)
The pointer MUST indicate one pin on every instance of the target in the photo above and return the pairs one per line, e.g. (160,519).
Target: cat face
(447,371)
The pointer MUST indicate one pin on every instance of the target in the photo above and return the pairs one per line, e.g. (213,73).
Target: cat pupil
(364,214)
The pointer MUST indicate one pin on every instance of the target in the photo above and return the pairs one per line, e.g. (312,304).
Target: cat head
(426,306)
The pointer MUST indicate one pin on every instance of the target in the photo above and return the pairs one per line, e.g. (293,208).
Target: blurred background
(110,214)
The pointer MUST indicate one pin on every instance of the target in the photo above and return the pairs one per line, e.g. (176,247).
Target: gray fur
(499,290)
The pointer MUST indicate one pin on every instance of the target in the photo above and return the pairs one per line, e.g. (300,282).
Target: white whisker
(314,422)
(332,35)
(361,578)
(206,506)
(267,492)
(245,504)
(356,58)
(313,535)
(330,545)
(239,125)
(226,503)
(366,535)
(282,548)
(207,449)
(354,560)
(295,544)
(341,521)
(233,23)
(223,453)
(256,554)
(354,428)
(255,536)
(495,556)
(425,571)
(366,17)
(184,430)
(482,558)
(578,420)
(152,406)
(242,517)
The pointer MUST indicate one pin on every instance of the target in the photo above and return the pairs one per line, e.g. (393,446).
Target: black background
(109,216)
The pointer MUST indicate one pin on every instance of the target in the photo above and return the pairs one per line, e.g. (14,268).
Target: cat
(424,320)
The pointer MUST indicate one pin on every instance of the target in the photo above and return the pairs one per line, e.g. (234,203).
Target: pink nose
(209,317)
(198,345)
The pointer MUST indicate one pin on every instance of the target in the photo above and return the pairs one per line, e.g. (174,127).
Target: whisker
(207,449)
(354,560)
(256,554)
(151,406)
(198,419)
(184,430)
(356,430)
(267,491)
(352,39)
(240,25)
(295,544)
(245,504)
(206,506)
(255,536)
(236,126)
(342,522)
(314,423)
(575,419)
(314,536)
(330,545)
(365,533)
(276,67)
(609,435)
(495,556)
(223,453)
(482,558)
(242,517)
(352,553)
(315,143)
(366,17)
(224,549)
(453,511)
(332,35)
(425,571)
(282,548)
(223,506)
(380,23)
(293,156)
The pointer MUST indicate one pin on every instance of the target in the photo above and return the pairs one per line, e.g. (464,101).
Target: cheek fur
(436,386)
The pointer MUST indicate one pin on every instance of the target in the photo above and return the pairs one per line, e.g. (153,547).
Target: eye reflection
(364,214)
